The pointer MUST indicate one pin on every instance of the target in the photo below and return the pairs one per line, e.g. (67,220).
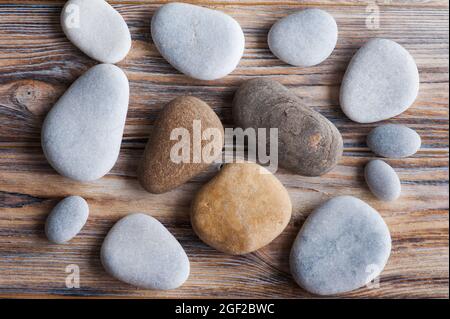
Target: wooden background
(37,63)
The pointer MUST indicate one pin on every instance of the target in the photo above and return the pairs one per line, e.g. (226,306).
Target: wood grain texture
(37,63)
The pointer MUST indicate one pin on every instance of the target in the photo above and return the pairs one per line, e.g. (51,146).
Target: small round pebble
(97,29)
(381,81)
(140,251)
(305,38)
(383,181)
(343,245)
(66,220)
(394,141)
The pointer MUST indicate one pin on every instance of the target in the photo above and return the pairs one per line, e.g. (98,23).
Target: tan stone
(241,210)
(157,172)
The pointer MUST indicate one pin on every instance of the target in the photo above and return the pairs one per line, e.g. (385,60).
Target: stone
(186,139)
(394,141)
(382,180)
(343,245)
(82,133)
(97,29)
(381,81)
(309,144)
(305,38)
(241,210)
(140,251)
(66,220)
(202,43)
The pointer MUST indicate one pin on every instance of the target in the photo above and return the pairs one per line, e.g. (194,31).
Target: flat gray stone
(202,43)
(305,38)
(394,141)
(66,220)
(140,251)
(97,29)
(82,133)
(382,81)
(343,245)
(383,181)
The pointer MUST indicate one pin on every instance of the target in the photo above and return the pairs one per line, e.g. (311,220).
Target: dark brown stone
(309,144)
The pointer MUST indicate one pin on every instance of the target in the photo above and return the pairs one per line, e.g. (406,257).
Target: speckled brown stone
(309,144)
(157,173)
(241,210)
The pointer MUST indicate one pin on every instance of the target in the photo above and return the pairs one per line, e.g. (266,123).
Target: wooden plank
(37,63)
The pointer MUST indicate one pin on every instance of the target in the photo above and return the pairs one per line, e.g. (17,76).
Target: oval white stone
(305,38)
(82,133)
(140,251)
(66,219)
(383,181)
(382,81)
(97,29)
(394,141)
(202,43)
(343,245)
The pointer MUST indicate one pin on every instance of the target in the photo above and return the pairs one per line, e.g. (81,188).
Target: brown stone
(309,144)
(241,210)
(158,172)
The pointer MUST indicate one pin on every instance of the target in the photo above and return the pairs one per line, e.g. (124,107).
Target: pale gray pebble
(140,251)
(202,43)
(394,141)
(343,245)
(383,181)
(66,220)
(82,133)
(382,81)
(97,29)
(305,38)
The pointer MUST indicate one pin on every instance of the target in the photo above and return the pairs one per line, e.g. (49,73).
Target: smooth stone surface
(305,38)
(382,81)
(383,181)
(97,29)
(202,43)
(82,133)
(309,144)
(140,251)
(394,141)
(241,210)
(343,245)
(66,220)
(159,172)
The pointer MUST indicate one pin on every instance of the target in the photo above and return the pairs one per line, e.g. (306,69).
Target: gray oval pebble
(202,43)
(394,141)
(140,251)
(383,181)
(305,38)
(82,133)
(343,245)
(67,219)
(97,29)
(382,81)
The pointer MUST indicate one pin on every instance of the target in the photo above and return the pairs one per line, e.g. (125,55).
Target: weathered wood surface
(37,63)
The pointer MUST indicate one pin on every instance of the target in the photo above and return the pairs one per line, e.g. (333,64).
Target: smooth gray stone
(66,220)
(305,38)
(382,81)
(394,141)
(97,29)
(383,181)
(343,245)
(202,43)
(140,251)
(82,133)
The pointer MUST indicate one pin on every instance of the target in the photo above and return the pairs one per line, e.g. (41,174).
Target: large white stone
(382,81)
(97,29)
(82,133)
(202,43)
